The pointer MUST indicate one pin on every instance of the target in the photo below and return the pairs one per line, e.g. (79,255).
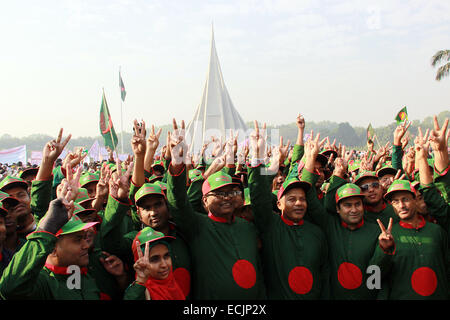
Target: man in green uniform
(224,248)
(352,241)
(43,268)
(420,266)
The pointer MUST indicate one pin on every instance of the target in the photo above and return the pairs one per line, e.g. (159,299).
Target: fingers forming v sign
(142,264)
(53,148)
(385,239)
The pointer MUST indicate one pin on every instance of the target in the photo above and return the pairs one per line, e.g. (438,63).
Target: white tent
(215,115)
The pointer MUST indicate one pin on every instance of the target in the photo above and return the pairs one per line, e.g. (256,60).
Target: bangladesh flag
(106,126)
(402,116)
(370,132)
(123,93)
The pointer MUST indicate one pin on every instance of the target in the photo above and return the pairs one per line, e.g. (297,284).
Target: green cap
(148,235)
(7,199)
(158,163)
(400,185)
(290,183)
(28,171)
(82,195)
(148,189)
(80,209)
(217,180)
(194,174)
(348,190)
(75,224)
(153,178)
(10,181)
(88,177)
(163,185)
(386,170)
(365,174)
(353,165)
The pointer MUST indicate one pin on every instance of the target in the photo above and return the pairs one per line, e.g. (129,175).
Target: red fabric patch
(244,274)
(300,280)
(424,281)
(104,296)
(349,275)
(183,279)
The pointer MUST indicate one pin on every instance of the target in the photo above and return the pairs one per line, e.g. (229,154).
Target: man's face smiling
(153,211)
(220,206)
(293,204)
(372,191)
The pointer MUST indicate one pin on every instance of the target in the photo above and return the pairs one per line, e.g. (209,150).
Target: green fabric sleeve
(442,182)
(330,197)
(261,198)
(135,291)
(21,278)
(195,195)
(397,155)
(111,233)
(41,195)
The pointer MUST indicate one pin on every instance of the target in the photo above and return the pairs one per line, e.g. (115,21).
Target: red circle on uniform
(244,274)
(349,275)
(424,281)
(183,279)
(300,280)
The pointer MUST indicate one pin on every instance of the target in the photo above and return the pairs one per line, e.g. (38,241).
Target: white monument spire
(215,115)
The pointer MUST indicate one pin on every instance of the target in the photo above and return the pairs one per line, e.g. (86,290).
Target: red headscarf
(166,289)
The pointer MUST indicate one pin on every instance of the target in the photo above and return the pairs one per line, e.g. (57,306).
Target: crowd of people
(313,221)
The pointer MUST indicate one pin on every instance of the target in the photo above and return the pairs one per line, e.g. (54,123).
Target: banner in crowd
(14,155)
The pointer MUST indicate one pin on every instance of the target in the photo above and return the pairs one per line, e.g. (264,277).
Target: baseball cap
(88,177)
(365,174)
(75,224)
(386,170)
(148,235)
(400,185)
(290,183)
(216,181)
(148,189)
(348,190)
(7,199)
(10,182)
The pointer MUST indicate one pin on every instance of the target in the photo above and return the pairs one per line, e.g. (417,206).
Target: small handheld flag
(123,93)
(402,116)
(370,132)
(106,125)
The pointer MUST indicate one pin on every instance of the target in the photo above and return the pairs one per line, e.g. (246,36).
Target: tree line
(343,132)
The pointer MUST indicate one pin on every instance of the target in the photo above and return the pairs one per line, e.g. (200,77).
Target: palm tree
(441,56)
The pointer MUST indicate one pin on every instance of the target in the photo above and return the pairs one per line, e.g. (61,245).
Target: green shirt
(420,266)
(225,257)
(27,277)
(294,257)
(350,251)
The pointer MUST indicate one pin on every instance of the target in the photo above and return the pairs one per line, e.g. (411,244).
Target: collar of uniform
(219,219)
(290,222)
(371,209)
(62,270)
(410,226)
(359,225)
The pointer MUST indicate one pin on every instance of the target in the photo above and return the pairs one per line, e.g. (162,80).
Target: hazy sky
(356,61)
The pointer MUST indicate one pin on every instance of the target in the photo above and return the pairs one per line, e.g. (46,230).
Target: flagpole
(121,117)
(110,131)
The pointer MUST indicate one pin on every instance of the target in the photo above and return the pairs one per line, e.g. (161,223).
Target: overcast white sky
(356,61)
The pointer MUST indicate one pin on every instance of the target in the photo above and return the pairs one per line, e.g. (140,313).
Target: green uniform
(28,277)
(442,181)
(420,266)
(294,256)
(350,251)
(225,256)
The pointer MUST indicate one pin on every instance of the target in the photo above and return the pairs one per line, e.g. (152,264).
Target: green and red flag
(123,93)
(106,125)
(402,116)
(370,132)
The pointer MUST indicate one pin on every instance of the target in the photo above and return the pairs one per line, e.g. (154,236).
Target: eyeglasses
(224,194)
(366,186)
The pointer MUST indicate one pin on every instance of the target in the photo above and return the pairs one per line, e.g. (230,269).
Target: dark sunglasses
(366,186)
